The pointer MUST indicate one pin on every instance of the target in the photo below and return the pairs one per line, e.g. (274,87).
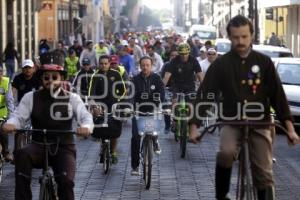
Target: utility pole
(256,22)
(230,9)
(70,17)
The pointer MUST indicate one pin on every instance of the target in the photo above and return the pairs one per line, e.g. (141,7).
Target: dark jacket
(148,90)
(85,78)
(101,87)
(235,82)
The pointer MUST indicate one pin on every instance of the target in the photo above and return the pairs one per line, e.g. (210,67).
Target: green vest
(3,90)
(100,51)
(72,65)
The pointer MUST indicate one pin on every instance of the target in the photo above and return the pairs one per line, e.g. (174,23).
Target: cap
(203,49)
(124,43)
(86,61)
(101,41)
(27,63)
(212,50)
(114,59)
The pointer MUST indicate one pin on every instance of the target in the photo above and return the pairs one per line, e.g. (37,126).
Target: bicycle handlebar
(46,131)
(242,123)
(163,111)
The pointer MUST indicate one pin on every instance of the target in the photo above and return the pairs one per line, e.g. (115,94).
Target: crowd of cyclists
(134,69)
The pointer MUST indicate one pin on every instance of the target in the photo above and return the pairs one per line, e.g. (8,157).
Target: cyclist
(89,53)
(6,107)
(148,89)
(24,82)
(37,106)
(71,64)
(244,79)
(183,69)
(164,68)
(99,85)
(84,75)
(211,57)
(115,64)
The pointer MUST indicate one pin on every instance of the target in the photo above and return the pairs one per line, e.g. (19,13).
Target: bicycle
(48,186)
(2,160)
(105,144)
(182,128)
(149,127)
(245,187)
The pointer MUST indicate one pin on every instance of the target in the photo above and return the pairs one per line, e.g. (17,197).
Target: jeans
(10,68)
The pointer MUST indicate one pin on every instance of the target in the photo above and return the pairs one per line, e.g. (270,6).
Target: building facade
(285,22)
(18,25)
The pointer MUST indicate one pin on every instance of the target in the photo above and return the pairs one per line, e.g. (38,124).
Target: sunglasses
(48,77)
(184,54)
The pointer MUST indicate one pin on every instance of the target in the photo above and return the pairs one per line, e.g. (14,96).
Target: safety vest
(4,84)
(122,70)
(100,51)
(72,65)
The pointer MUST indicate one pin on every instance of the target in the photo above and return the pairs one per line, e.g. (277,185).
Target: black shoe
(101,157)
(156,146)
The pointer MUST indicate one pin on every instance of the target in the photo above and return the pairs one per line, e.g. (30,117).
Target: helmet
(184,48)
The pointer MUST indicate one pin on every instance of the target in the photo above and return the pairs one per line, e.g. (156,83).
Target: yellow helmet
(184,48)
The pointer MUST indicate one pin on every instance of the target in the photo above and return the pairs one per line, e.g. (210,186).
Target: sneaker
(156,146)
(114,158)
(135,172)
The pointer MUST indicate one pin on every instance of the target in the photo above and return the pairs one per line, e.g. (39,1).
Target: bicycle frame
(247,189)
(182,128)
(48,186)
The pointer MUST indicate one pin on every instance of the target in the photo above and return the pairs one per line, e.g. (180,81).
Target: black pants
(135,145)
(63,164)
(4,143)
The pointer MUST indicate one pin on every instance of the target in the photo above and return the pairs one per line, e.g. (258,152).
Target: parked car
(289,73)
(223,45)
(274,52)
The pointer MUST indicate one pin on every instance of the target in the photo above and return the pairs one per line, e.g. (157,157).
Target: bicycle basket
(148,124)
(113,130)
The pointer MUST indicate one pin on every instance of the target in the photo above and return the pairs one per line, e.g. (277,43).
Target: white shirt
(204,64)
(80,115)
(157,62)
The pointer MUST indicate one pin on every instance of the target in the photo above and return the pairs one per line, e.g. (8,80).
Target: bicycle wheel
(245,186)
(106,159)
(249,189)
(147,161)
(1,168)
(183,138)
(44,192)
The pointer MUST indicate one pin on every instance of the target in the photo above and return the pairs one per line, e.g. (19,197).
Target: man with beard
(239,77)
(38,106)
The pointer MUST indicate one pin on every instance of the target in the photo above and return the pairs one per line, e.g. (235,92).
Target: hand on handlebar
(194,136)
(96,111)
(293,138)
(83,131)
(9,128)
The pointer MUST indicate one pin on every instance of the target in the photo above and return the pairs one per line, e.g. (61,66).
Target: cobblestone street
(173,177)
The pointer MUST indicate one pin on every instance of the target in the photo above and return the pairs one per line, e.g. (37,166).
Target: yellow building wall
(47,21)
(279,28)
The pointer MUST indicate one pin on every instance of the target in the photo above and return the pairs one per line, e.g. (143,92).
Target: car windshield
(276,54)
(207,35)
(289,73)
(223,47)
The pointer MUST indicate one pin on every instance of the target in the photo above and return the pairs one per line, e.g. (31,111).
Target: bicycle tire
(1,168)
(249,189)
(44,193)
(147,161)
(105,158)
(183,138)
